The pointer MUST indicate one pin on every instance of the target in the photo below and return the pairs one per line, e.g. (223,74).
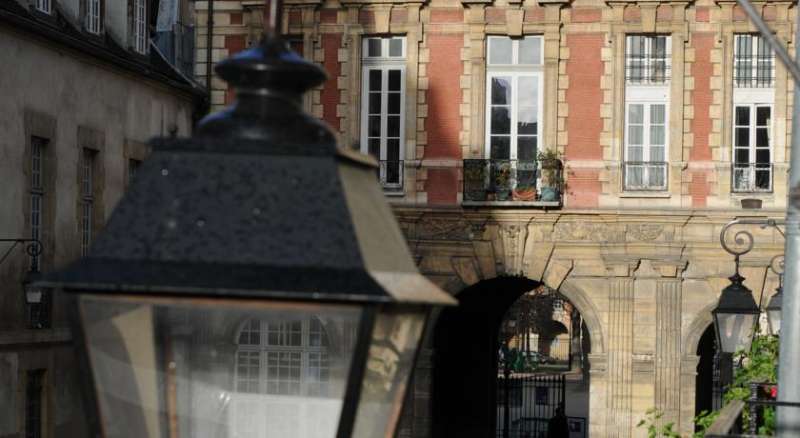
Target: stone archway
(464,339)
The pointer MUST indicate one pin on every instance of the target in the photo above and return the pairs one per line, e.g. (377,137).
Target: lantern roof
(736,298)
(260,203)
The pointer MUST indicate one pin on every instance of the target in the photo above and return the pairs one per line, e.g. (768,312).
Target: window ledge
(633,194)
(394,193)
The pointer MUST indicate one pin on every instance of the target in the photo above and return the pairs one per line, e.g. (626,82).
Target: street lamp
(735,315)
(774,311)
(253,281)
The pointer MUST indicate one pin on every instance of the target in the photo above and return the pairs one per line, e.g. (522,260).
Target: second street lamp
(253,281)
(735,316)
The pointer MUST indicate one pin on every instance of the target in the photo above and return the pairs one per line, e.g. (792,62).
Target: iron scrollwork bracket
(33,247)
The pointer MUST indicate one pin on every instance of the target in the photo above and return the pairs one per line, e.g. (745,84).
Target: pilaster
(620,364)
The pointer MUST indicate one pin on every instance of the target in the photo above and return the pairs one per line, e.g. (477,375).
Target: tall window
(34,392)
(647,76)
(43,6)
(753,62)
(647,59)
(140,26)
(37,193)
(93,16)
(752,155)
(513,116)
(383,106)
(87,198)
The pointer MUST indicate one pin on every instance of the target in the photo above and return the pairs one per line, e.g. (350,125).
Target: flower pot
(549,194)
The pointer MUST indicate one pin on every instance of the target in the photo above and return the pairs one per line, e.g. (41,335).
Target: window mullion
(513,109)
(384,109)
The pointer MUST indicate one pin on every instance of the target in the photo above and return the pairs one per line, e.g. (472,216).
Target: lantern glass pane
(735,330)
(395,340)
(774,316)
(218,368)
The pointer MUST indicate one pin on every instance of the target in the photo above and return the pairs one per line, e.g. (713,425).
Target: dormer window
(93,16)
(44,6)
(140,26)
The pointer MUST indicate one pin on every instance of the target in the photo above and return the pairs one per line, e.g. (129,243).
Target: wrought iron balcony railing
(390,174)
(645,175)
(751,177)
(641,70)
(529,181)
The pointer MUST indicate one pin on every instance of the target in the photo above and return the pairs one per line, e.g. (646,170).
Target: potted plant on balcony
(552,179)
(474,180)
(502,180)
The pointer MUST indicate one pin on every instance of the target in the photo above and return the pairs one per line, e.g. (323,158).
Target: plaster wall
(64,95)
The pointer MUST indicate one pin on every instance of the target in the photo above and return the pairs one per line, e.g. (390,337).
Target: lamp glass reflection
(201,368)
(774,312)
(735,330)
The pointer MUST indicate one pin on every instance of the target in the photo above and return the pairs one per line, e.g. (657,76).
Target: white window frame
(752,149)
(94,22)
(515,71)
(140,26)
(646,146)
(384,64)
(756,40)
(45,6)
(649,60)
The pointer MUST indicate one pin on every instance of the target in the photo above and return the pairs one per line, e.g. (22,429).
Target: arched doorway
(466,347)
(712,373)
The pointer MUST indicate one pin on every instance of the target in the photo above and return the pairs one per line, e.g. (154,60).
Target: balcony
(513,183)
(751,177)
(390,174)
(650,176)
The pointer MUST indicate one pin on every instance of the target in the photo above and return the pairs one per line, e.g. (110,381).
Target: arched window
(283,358)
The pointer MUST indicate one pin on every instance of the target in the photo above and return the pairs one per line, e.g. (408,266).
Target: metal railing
(526,403)
(645,175)
(390,174)
(751,177)
(729,422)
(754,71)
(647,70)
(498,180)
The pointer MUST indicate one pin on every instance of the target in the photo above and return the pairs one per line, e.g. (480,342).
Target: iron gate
(525,404)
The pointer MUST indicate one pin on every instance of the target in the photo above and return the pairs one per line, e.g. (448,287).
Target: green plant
(652,421)
(551,168)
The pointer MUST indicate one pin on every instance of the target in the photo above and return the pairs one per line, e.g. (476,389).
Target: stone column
(620,349)
(668,349)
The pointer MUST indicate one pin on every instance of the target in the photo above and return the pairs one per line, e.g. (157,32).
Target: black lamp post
(256,232)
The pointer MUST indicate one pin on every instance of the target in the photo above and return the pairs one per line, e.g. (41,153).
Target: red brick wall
(586,15)
(442,186)
(584,96)
(443,124)
(584,125)
(699,189)
(701,95)
(441,15)
(533,15)
(234,44)
(330,90)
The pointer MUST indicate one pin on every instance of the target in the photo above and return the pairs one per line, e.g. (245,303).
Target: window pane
(742,155)
(743,115)
(526,121)
(635,135)
(656,154)
(374,103)
(395,47)
(501,120)
(394,103)
(657,135)
(393,149)
(526,148)
(374,47)
(375,80)
(500,50)
(762,137)
(762,116)
(501,91)
(530,50)
(375,147)
(374,127)
(500,147)
(394,80)
(393,126)
(657,114)
(742,137)
(636,114)
(635,153)
(762,156)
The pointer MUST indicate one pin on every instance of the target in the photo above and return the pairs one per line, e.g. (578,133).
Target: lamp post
(253,279)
